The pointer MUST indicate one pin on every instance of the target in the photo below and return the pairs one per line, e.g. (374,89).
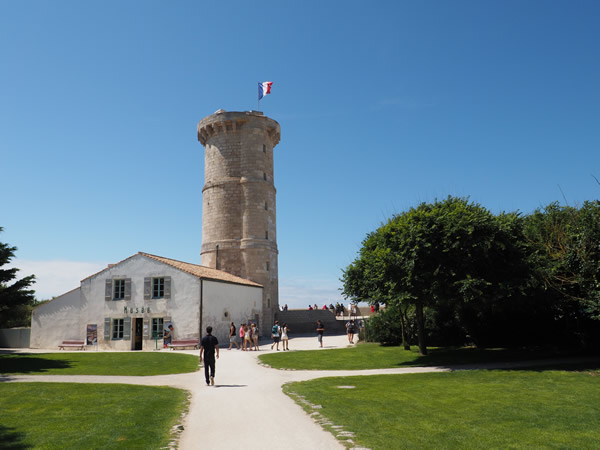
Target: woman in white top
(284,337)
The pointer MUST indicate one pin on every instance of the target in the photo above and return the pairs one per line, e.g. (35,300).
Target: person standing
(275,334)
(255,336)
(247,338)
(242,335)
(233,336)
(208,346)
(320,331)
(284,337)
(350,331)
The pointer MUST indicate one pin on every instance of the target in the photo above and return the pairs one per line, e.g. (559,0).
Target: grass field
(467,409)
(86,416)
(91,363)
(376,356)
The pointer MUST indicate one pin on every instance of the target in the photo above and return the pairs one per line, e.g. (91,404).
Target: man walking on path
(320,331)
(207,347)
(233,336)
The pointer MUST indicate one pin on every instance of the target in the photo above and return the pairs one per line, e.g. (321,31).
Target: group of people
(248,335)
(340,310)
(209,345)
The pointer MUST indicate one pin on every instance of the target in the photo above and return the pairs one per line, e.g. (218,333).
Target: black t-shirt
(209,343)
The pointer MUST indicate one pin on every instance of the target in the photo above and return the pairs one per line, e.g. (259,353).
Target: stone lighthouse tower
(238,200)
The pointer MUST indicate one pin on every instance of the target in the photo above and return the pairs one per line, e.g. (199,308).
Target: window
(264,176)
(119,290)
(266,235)
(267,265)
(117,328)
(158,326)
(158,287)
(266,206)
(264,148)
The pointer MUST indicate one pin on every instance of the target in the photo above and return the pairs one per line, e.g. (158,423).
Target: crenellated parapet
(222,122)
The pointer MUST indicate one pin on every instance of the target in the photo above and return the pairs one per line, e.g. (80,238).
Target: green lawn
(466,409)
(92,363)
(376,356)
(86,416)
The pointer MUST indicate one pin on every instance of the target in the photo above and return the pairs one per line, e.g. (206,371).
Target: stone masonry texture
(239,232)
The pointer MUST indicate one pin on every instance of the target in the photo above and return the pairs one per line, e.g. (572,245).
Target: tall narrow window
(158,287)
(157,327)
(266,235)
(119,290)
(265,176)
(266,206)
(264,148)
(117,328)
(267,266)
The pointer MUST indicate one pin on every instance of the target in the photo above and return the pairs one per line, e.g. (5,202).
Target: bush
(386,327)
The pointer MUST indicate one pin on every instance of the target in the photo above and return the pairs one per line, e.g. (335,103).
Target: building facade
(128,305)
(239,233)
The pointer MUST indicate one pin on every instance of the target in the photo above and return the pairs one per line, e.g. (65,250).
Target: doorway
(139,327)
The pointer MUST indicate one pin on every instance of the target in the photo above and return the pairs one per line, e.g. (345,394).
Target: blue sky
(382,105)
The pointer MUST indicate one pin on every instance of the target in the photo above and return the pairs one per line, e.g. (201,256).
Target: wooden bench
(181,343)
(72,344)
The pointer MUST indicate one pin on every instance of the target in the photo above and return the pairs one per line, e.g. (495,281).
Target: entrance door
(139,327)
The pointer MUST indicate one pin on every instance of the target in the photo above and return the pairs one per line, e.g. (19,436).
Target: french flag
(264,89)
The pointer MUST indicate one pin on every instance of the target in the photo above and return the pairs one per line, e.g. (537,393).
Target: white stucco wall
(224,303)
(182,309)
(68,316)
(56,321)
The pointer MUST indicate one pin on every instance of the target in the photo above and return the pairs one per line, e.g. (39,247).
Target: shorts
(320,337)
(276,339)
(233,340)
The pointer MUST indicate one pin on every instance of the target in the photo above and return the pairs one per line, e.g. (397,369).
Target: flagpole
(258,101)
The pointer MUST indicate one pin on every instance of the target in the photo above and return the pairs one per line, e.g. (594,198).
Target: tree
(16,299)
(565,242)
(449,254)
(365,280)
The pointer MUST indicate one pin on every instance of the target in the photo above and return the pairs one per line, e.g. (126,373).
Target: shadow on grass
(28,364)
(549,359)
(12,440)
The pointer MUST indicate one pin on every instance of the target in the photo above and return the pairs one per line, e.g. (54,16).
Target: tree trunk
(404,325)
(421,328)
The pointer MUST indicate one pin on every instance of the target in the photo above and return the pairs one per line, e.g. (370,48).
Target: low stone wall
(15,337)
(304,322)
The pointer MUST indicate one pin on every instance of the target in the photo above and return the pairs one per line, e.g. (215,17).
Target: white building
(128,305)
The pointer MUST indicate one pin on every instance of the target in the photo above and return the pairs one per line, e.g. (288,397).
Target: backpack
(275,330)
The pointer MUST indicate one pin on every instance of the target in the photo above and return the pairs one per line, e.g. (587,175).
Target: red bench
(72,344)
(181,343)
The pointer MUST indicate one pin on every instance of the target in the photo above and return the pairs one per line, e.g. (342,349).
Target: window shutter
(108,290)
(127,328)
(167,287)
(107,329)
(146,329)
(147,288)
(127,288)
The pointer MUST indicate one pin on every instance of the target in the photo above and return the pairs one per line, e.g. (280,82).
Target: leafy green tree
(449,254)
(565,243)
(16,299)
(366,280)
